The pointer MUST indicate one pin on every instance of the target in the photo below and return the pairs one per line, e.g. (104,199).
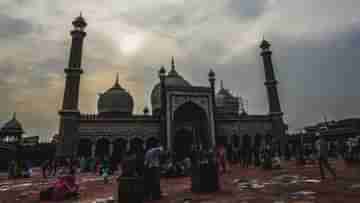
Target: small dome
(226,102)
(79,22)
(172,79)
(265,44)
(12,126)
(115,101)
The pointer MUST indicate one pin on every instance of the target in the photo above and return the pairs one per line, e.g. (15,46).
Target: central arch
(190,129)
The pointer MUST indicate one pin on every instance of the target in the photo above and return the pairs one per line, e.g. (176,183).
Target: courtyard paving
(293,184)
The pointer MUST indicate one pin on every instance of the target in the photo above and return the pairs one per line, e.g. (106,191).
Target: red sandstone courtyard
(293,184)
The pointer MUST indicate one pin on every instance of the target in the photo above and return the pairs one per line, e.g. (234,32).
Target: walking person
(322,148)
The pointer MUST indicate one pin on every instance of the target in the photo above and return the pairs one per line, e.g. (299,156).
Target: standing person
(44,168)
(246,151)
(221,157)
(256,147)
(152,175)
(140,158)
(322,147)
(11,170)
(50,167)
(267,164)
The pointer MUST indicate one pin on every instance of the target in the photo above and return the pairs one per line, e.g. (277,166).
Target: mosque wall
(115,130)
(229,129)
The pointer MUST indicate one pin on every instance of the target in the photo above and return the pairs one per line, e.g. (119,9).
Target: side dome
(226,103)
(12,127)
(116,101)
(172,79)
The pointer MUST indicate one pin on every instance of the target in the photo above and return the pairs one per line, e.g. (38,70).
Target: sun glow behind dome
(131,43)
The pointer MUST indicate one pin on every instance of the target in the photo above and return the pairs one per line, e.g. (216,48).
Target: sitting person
(105,175)
(276,162)
(64,187)
(187,166)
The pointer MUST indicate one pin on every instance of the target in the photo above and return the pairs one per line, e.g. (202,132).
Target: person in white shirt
(152,172)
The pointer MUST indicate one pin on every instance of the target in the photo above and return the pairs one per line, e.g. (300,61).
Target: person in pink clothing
(65,187)
(221,158)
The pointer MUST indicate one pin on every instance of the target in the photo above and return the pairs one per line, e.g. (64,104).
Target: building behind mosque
(183,116)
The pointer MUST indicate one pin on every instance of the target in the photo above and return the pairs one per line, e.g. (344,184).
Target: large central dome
(172,79)
(116,101)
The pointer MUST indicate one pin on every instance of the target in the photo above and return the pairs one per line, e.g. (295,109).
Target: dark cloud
(315,51)
(318,76)
(12,27)
(246,10)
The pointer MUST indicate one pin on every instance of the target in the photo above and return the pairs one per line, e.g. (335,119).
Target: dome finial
(117,79)
(117,84)
(172,71)
(14,115)
(172,63)
(221,84)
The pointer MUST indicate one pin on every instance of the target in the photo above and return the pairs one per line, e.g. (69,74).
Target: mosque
(183,116)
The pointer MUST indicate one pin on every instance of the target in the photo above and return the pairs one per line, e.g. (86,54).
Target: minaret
(275,112)
(162,116)
(270,81)
(69,114)
(212,79)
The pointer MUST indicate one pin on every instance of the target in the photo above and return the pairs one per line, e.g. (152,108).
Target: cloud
(315,52)
(12,27)
(246,10)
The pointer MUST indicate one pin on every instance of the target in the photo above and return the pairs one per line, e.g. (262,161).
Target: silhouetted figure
(322,147)
(45,167)
(11,169)
(257,144)
(152,172)
(221,158)
(140,158)
(268,153)
(246,151)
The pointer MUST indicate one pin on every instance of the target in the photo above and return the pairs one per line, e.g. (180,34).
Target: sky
(315,44)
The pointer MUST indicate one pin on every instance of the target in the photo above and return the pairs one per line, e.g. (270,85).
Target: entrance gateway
(191,130)
(190,123)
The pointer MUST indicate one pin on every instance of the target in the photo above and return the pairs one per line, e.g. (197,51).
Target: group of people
(352,150)
(153,162)
(267,155)
(173,168)
(65,185)
(145,165)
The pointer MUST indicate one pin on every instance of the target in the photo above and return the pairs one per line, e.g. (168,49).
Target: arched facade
(84,148)
(102,148)
(173,95)
(190,132)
